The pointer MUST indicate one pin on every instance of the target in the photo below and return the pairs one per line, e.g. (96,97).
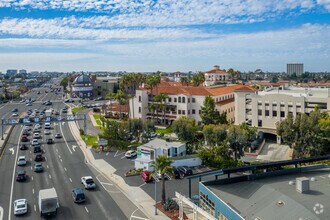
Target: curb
(2,149)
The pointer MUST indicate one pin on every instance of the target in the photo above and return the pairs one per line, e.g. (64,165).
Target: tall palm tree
(161,99)
(121,98)
(152,108)
(162,165)
(111,97)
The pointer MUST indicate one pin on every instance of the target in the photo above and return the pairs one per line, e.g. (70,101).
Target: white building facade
(264,109)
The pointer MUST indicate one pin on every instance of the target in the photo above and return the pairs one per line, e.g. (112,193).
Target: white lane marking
(35,207)
(61,160)
(12,150)
(74,147)
(12,180)
(56,150)
(65,169)
(59,156)
(1,213)
(116,155)
(86,209)
(70,180)
(66,143)
(107,154)
(50,176)
(63,123)
(45,158)
(33,191)
(109,184)
(47,166)
(32,178)
(30,152)
(122,157)
(30,159)
(142,185)
(31,168)
(136,217)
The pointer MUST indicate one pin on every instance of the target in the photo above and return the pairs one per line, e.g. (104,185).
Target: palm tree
(152,108)
(185,80)
(162,166)
(161,99)
(121,98)
(111,97)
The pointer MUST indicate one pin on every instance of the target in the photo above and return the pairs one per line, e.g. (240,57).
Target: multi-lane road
(64,165)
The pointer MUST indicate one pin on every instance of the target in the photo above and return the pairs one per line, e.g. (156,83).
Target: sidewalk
(141,199)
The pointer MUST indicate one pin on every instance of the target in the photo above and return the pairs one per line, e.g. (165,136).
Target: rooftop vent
(302,184)
(292,183)
(280,203)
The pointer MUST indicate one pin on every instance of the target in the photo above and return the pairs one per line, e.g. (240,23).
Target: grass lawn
(77,109)
(97,119)
(167,130)
(90,139)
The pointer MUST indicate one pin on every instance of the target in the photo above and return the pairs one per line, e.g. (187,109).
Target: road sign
(70,117)
(103,142)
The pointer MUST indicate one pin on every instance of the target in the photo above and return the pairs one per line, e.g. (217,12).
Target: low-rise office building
(103,85)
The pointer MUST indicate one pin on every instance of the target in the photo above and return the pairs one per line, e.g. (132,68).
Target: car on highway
(29,104)
(64,111)
(25,133)
(58,135)
(36,135)
(38,167)
(37,149)
(24,138)
(88,182)
(146,176)
(47,125)
(50,141)
(23,147)
(20,207)
(130,154)
(35,142)
(47,132)
(38,157)
(78,195)
(21,161)
(21,175)
(185,170)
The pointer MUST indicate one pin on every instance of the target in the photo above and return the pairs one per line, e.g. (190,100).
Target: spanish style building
(182,101)
(216,77)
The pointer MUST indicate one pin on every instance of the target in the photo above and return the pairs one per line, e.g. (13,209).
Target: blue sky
(166,35)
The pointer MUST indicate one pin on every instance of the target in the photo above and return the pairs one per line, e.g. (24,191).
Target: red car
(24,139)
(26,133)
(146,176)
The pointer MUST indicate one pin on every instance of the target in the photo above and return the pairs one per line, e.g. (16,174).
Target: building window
(193,100)
(174,99)
(266,104)
(274,113)
(188,112)
(139,98)
(200,112)
(259,123)
(179,112)
(183,100)
(179,99)
(169,99)
(188,100)
(259,112)
(183,112)
(139,109)
(274,105)
(193,111)
(266,112)
(207,204)
(282,114)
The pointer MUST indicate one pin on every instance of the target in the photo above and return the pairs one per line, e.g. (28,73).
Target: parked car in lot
(15,110)
(21,161)
(146,176)
(38,157)
(20,207)
(185,170)
(21,175)
(78,195)
(176,173)
(130,154)
(88,182)
(38,167)
(14,115)
(23,147)
(159,176)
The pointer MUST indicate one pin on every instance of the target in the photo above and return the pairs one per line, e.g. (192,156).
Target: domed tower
(82,87)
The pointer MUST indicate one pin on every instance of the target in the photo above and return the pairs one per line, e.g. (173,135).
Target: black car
(23,147)
(21,175)
(176,173)
(185,170)
(15,110)
(37,149)
(38,157)
(49,141)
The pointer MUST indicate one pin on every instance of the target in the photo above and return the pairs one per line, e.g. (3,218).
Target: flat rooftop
(273,198)
(157,142)
(298,92)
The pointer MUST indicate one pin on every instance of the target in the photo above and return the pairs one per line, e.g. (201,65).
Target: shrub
(81,131)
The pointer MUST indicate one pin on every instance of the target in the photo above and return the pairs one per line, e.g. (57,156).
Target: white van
(47,125)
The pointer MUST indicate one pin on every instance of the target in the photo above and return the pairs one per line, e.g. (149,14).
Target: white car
(20,206)
(88,182)
(21,161)
(14,115)
(35,142)
(36,135)
(130,154)
(47,132)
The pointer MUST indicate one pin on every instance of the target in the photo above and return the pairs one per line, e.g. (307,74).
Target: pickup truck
(48,202)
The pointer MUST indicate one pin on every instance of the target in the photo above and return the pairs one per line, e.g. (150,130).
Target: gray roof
(82,79)
(157,142)
(259,198)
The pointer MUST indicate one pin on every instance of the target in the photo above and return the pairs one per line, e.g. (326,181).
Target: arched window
(179,99)
(183,99)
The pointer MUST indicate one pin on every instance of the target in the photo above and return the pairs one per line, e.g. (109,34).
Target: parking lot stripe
(65,169)
(35,207)
(142,185)
(70,180)
(86,209)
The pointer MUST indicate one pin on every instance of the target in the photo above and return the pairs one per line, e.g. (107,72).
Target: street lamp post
(155,197)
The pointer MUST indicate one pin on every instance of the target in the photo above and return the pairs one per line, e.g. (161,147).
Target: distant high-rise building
(11,71)
(22,72)
(297,68)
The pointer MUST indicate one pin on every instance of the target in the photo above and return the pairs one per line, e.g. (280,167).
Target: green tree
(198,79)
(64,82)
(162,104)
(184,128)
(208,134)
(152,107)
(185,80)
(162,166)
(110,96)
(135,127)
(121,98)
(237,140)
(208,113)
(153,81)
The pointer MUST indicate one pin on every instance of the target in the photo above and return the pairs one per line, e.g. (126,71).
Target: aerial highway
(63,164)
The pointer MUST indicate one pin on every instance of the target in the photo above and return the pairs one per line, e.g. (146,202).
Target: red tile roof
(217,71)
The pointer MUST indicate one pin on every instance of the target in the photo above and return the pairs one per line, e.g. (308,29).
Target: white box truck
(48,112)
(48,202)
